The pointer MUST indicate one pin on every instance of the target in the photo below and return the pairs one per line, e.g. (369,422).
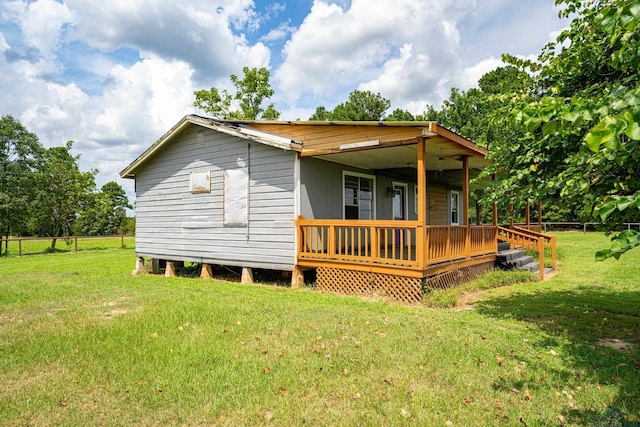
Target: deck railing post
(553,252)
(422,245)
(374,244)
(332,241)
(541,253)
(467,243)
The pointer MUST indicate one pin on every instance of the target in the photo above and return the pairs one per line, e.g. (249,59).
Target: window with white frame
(358,195)
(454,207)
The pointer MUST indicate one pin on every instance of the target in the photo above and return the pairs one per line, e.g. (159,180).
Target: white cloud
(42,24)
(400,52)
(470,75)
(200,33)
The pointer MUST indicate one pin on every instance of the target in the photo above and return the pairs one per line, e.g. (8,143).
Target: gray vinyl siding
(321,189)
(174,224)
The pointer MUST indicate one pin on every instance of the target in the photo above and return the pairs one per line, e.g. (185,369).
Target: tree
(399,115)
(360,106)
(103,212)
(61,192)
(580,133)
(245,103)
(19,155)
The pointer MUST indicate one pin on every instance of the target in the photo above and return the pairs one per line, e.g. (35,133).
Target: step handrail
(532,240)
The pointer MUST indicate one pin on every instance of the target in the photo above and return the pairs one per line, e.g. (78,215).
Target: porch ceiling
(440,156)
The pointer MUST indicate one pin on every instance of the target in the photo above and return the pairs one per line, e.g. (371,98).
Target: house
(369,206)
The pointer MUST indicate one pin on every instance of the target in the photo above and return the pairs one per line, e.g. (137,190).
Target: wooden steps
(510,259)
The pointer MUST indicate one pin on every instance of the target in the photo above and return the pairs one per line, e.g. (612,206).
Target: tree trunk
(53,244)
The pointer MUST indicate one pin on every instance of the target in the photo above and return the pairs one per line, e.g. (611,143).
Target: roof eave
(240,132)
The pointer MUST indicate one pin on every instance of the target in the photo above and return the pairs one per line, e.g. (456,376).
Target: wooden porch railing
(391,243)
(533,227)
(525,238)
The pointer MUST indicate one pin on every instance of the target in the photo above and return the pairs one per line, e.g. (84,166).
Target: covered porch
(409,251)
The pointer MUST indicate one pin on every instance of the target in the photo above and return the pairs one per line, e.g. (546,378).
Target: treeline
(44,193)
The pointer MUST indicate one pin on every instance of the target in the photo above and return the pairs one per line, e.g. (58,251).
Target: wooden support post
(140,268)
(527,215)
(247,276)
(465,206)
(205,272)
(421,232)
(153,265)
(540,213)
(494,207)
(170,269)
(297,278)
(511,212)
(465,190)
(541,256)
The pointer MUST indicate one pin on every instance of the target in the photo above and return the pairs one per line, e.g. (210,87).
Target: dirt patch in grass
(112,309)
(615,344)
(467,300)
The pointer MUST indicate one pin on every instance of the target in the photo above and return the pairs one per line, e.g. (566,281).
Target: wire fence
(38,245)
(584,226)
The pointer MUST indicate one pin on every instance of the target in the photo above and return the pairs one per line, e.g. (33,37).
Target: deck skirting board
(401,288)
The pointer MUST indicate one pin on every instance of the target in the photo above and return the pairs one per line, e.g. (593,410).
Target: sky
(113,76)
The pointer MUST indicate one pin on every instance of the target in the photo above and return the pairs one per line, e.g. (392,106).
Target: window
(358,196)
(200,181)
(454,207)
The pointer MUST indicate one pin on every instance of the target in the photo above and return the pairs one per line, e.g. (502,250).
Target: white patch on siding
(235,197)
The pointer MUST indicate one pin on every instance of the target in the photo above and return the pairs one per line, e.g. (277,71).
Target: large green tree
(103,212)
(246,103)
(580,134)
(360,106)
(62,190)
(19,155)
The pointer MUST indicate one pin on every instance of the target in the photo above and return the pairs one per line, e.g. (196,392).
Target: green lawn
(82,342)
(31,246)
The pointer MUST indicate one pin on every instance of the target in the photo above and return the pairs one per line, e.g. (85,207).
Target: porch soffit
(441,155)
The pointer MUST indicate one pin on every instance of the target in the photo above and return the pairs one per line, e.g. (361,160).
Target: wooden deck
(392,247)
(408,248)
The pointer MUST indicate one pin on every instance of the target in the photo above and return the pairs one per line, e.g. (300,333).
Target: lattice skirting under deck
(406,289)
(456,277)
(401,288)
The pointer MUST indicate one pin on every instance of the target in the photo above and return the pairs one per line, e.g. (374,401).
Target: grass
(85,343)
(39,246)
(448,298)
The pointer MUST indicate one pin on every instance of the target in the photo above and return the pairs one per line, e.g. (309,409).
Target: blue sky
(113,76)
